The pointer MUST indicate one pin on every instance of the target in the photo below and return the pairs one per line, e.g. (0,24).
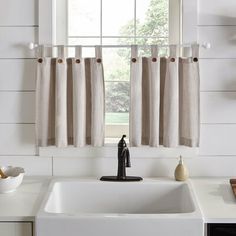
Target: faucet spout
(123,158)
(123,162)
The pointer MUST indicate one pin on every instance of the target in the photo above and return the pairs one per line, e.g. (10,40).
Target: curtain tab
(41,51)
(186,52)
(154,51)
(78,51)
(173,51)
(98,52)
(195,50)
(61,51)
(134,51)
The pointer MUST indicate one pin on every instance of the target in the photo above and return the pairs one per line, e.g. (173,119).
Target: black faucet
(123,162)
(123,158)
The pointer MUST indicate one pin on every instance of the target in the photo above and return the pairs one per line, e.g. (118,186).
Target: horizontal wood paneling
(17,74)
(17,139)
(32,165)
(145,167)
(17,107)
(218,139)
(216,12)
(14,41)
(218,107)
(218,74)
(222,39)
(15,12)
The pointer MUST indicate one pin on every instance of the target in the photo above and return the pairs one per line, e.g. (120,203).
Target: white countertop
(214,195)
(23,204)
(216,199)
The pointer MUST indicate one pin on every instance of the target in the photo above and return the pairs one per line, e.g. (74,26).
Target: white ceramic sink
(94,208)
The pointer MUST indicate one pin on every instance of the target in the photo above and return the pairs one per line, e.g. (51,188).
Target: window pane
(113,118)
(117,102)
(84,17)
(119,41)
(152,17)
(118,17)
(116,64)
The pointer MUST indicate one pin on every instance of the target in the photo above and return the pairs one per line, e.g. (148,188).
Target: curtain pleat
(135,115)
(88,100)
(163,63)
(151,99)
(61,103)
(171,101)
(97,100)
(154,97)
(146,74)
(70,106)
(79,99)
(43,101)
(190,99)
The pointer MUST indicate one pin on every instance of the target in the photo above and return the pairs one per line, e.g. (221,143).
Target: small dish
(14,178)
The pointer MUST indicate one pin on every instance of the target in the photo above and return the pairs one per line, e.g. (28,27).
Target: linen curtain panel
(70,107)
(164,99)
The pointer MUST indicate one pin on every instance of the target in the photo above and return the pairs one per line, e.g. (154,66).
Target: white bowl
(14,179)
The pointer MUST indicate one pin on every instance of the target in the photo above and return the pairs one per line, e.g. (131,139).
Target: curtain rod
(33,46)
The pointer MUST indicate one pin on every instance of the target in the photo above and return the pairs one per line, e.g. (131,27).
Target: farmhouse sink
(94,208)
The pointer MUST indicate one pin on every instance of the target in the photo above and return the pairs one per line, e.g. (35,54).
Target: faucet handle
(128,163)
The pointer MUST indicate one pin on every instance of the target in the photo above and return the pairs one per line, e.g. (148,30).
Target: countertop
(23,204)
(214,196)
(216,199)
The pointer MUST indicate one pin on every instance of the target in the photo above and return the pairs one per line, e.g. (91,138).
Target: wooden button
(40,60)
(59,60)
(77,60)
(172,59)
(99,60)
(195,59)
(154,59)
(134,60)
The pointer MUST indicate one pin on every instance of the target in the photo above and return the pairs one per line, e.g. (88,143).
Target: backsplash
(217,155)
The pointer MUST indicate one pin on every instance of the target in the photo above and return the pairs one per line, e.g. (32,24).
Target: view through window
(123,22)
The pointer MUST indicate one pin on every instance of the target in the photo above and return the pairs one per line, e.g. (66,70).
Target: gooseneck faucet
(123,162)
(123,158)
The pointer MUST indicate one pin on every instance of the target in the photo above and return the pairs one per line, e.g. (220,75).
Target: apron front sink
(92,207)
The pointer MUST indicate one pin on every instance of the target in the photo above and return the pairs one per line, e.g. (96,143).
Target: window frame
(62,36)
(188,34)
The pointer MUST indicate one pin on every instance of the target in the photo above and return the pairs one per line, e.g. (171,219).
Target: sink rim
(196,213)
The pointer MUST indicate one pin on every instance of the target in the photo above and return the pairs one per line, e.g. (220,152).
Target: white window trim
(188,35)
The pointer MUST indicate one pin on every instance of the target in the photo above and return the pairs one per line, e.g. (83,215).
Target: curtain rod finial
(32,45)
(206,45)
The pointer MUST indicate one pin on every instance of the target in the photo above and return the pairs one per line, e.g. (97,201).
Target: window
(117,22)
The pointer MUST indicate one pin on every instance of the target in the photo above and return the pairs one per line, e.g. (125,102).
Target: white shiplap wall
(18,27)
(216,24)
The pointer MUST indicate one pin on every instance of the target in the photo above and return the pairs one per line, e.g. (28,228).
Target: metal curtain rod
(32,46)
